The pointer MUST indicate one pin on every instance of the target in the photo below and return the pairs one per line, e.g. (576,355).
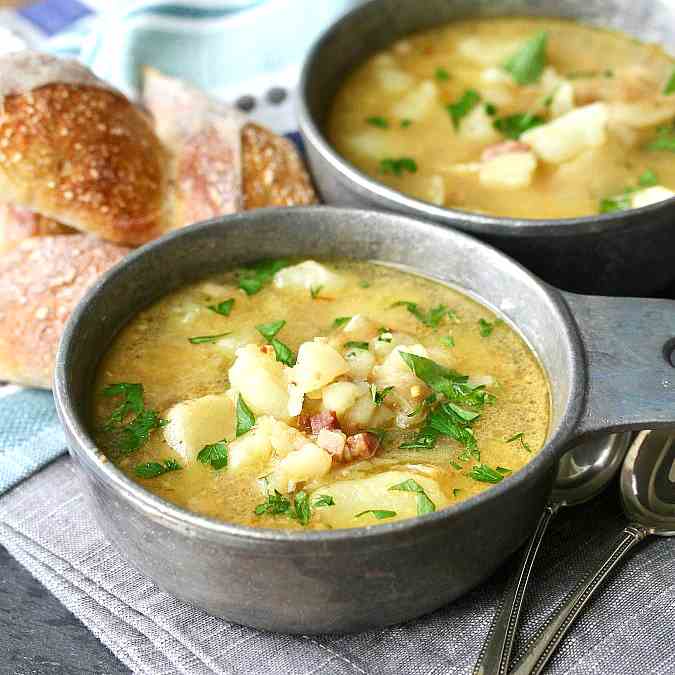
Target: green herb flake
(269,330)
(364,284)
(314,291)
(503,470)
(380,514)
(485,474)
(424,504)
(463,106)
(455,466)
(455,492)
(448,341)
(513,126)
(132,402)
(154,469)
(257,275)
(487,327)
(405,123)
(491,109)
(648,179)
(379,396)
(527,64)
(224,307)
(355,344)
(324,500)
(341,321)
(520,436)
(377,121)
(282,352)
(245,418)
(665,140)
(301,510)
(214,454)
(207,339)
(398,166)
(612,204)
(441,74)
(275,504)
(670,85)
(431,318)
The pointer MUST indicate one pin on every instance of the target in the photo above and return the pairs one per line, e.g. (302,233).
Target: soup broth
(406,396)
(527,118)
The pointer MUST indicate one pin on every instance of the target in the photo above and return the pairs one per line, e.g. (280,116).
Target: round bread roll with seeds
(76,151)
(41,281)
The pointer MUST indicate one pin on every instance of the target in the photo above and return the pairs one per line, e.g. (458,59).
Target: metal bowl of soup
(467,114)
(607,364)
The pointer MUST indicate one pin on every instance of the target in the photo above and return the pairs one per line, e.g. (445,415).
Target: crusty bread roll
(76,151)
(41,281)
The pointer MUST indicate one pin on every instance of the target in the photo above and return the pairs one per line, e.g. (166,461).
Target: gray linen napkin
(628,630)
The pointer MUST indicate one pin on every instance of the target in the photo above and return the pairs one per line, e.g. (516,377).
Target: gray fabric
(628,630)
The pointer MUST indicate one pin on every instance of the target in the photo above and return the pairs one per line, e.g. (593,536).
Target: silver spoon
(583,472)
(648,496)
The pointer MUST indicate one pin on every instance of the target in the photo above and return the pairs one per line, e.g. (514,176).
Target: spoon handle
(496,653)
(549,637)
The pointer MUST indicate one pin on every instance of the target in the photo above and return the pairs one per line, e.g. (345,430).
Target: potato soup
(319,395)
(526,118)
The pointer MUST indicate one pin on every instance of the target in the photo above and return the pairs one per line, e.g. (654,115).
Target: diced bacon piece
(360,446)
(333,442)
(504,148)
(326,419)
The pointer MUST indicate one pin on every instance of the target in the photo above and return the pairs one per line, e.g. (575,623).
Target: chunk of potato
(372,144)
(650,195)
(198,422)
(310,462)
(569,135)
(360,328)
(259,377)
(360,362)
(252,449)
(394,371)
(359,415)
(418,102)
(318,365)
(510,171)
(563,99)
(641,115)
(308,275)
(355,496)
(393,79)
(487,52)
(478,127)
(339,396)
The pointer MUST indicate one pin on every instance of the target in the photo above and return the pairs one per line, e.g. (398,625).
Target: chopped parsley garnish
(314,291)
(432,318)
(355,344)
(513,126)
(424,504)
(527,64)
(486,474)
(448,341)
(665,140)
(503,470)
(648,179)
(341,321)
(214,454)
(207,339)
(377,121)
(324,500)
(396,167)
(491,109)
(463,106)
(245,418)
(623,201)
(380,514)
(670,85)
(486,327)
(441,74)
(282,352)
(456,491)
(379,396)
(301,510)
(405,123)
(364,284)
(520,436)
(224,307)
(255,276)
(384,334)
(154,469)
(275,504)
(129,436)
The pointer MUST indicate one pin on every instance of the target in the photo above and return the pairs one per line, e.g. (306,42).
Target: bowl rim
(387,197)
(83,447)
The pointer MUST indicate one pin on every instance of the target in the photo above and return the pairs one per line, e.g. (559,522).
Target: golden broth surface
(394,106)
(154,349)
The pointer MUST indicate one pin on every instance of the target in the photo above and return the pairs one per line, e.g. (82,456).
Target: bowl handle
(629,345)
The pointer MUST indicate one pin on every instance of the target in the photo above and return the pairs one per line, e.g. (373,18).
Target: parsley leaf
(485,474)
(405,123)
(513,126)
(245,418)
(314,291)
(665,140)
(463,106)
(324,500)
(379,396)
(441,74)
(648,179)
(396,167)
(255,276)
(448,341)
(491,109)
(132,402)
(214,454)
(432,318)
(282,352)
(206,339)
(424,504)
(355,344)
(520,436)
(456,491)
(377,121)
(527,64)
(136,433)
(269,330)
(154,469)
(275,504)
(618,203)
(301,510)
(341,321)
(670,85)
(486,327)
(380,514)
(224,307)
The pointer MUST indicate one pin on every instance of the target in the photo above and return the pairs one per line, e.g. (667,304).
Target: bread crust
(41,281)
